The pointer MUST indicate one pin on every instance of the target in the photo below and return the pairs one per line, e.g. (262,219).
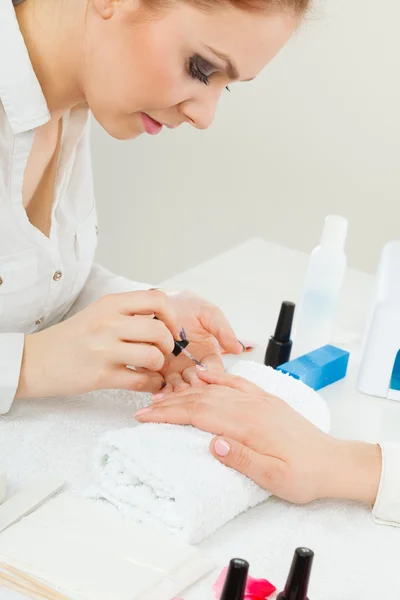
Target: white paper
(88,550)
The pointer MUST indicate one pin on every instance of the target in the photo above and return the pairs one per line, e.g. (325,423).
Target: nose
(200,111)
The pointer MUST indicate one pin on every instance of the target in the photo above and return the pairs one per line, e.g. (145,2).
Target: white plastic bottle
(322,287)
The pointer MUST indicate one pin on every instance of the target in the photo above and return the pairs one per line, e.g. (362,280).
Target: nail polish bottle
(296,587)
(280,345)
(236,579)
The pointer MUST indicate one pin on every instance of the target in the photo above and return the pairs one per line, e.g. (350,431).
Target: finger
(123,378)
(190,376)
(146,303)
(194,409)
(211,361)
(263,470)
(228,380)
(176,381)
(213,320)
(172,396)
(145,330)
(206,394)
(143,356)
(167,389)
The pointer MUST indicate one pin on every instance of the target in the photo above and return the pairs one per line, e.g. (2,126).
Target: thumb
(258,467)
(228,380)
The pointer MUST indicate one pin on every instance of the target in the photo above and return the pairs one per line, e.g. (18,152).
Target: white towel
(354,557)
(165,474)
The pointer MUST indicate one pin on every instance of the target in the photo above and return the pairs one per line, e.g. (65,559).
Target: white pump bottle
(322,287)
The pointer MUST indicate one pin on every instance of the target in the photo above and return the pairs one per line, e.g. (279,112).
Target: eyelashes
(201,70)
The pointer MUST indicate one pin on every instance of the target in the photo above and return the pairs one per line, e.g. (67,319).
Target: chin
(123,135)
(118,130)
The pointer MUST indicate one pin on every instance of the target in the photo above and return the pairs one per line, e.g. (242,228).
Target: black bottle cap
(285,322)
(280,345)
(179,346)
(236,579)
(299,576)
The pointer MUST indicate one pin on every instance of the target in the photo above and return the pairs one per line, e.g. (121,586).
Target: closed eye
(201,69)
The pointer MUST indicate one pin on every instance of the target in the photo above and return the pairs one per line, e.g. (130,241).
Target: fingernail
(221,448)
(183,335)
(157,397)
(243,346)
(143,411)
(201,367)
(247,347)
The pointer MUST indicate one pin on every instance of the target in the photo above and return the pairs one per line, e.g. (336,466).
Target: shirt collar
(20,91)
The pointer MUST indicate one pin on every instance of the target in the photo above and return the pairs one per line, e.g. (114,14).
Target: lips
(151,126)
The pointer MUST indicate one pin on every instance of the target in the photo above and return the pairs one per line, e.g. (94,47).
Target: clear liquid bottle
(322,287)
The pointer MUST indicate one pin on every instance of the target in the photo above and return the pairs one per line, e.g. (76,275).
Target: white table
(249,283)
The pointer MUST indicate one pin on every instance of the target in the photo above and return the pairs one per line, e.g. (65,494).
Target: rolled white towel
(165,475)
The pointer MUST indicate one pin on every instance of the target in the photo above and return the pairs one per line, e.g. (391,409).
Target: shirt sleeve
(100,283)
(387,506)
(11,351)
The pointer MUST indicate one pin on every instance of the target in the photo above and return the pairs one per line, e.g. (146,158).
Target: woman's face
(143,70)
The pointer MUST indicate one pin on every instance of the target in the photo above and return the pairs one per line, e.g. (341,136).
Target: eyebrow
(231,68)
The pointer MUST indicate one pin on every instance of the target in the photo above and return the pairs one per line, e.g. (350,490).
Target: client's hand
(263,438)
(207,330)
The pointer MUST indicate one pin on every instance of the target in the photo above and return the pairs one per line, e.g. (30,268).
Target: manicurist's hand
(92,349)
(265,439)
(208,331)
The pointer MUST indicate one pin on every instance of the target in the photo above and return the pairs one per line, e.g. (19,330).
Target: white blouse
(42,279)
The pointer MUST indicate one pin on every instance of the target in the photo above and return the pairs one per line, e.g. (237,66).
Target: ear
(106,9)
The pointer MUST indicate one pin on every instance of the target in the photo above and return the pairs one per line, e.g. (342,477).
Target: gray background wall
(318,132)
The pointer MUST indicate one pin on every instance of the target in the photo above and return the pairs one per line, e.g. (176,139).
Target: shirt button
(97,230)
(1,280)
(39,321)
(57,276)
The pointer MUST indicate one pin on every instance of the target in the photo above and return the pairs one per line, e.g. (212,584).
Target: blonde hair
(299,7)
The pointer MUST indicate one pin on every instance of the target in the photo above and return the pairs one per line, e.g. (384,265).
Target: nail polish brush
(296,587)
(236,579)
(180,348)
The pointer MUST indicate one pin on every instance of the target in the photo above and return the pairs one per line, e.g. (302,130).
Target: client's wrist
(353,471)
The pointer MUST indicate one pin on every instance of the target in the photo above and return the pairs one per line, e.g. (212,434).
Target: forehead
(250,38)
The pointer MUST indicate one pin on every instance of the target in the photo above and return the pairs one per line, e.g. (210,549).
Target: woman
(263,438)
(138,65)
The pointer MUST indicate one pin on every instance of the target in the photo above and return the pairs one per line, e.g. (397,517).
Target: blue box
(319,368)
